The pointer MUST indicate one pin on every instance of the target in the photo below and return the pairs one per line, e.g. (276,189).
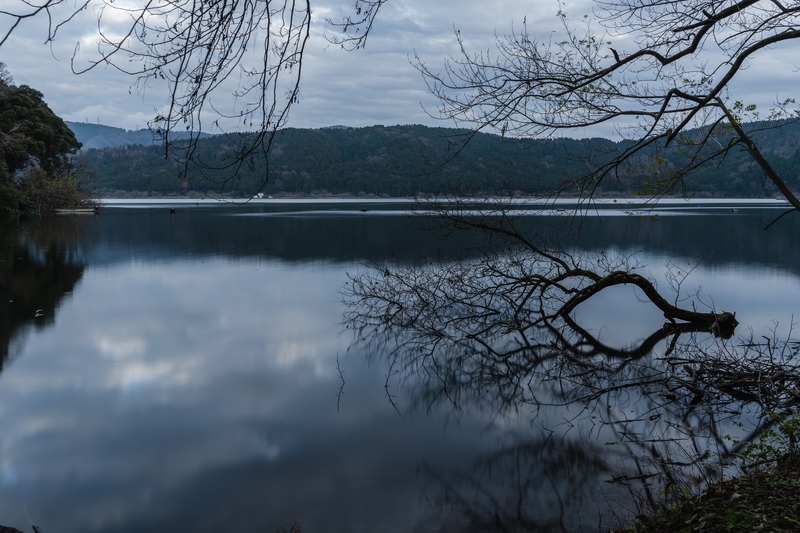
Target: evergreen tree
(36,149)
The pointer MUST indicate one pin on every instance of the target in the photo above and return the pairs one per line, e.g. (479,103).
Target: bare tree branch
(688,53)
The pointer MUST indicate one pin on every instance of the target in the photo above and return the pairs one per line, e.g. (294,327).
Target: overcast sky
(377,85)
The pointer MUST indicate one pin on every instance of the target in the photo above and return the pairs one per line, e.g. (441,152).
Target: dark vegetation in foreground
(761,500)
(408,160)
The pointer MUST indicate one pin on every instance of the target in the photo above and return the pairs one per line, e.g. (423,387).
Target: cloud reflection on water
(206,390)
(190,383)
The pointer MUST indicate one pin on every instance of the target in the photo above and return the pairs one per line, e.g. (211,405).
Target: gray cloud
(377,85)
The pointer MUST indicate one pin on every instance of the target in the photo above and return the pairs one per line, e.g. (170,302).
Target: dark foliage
(407,160)
(37,135)
(762,501)
(37,148)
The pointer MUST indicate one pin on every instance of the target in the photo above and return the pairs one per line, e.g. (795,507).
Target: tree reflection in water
(497,334)
(528,485)
(41,261)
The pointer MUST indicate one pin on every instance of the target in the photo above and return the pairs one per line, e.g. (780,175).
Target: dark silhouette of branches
(16,12)
(671,401)
(232,66)
(498,332)
(200,48)
(686,54)
(352,31)
(518,284)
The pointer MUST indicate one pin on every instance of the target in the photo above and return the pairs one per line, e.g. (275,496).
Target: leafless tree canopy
(201,48)
(672,74)
(249,52)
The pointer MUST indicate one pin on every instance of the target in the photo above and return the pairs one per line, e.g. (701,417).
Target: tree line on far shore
(413,159)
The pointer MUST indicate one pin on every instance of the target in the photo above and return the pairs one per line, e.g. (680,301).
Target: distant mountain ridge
(98,136)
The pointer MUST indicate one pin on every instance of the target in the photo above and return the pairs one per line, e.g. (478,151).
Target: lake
(193,372)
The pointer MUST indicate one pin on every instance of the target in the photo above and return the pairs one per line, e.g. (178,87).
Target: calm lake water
(191,372)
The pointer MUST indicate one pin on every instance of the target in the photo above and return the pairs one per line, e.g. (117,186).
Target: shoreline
(763,500)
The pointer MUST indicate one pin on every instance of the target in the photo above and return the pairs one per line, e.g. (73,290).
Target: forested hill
(408,160)
(99,136)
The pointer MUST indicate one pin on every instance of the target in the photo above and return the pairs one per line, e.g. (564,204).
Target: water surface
(191,371)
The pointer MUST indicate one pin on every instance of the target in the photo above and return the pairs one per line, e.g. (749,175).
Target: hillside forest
(410,160)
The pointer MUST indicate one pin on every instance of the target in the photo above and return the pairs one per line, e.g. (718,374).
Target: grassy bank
(759,501)
(765,497)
